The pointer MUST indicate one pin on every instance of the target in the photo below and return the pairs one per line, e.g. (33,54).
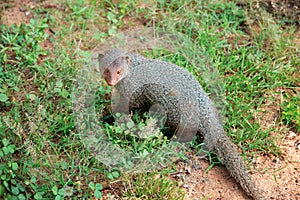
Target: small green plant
(136,137)
(291,113)
(64,192)
(10,186)
(58,193)
(60,90)
(96,189)
(3,98)
(113,174)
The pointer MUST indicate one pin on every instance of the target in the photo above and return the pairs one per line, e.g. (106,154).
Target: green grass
(252,55)
(154,186)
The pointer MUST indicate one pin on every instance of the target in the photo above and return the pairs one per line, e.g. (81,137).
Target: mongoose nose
(110,83)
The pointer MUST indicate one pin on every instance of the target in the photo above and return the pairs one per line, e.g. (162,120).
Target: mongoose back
(144,82)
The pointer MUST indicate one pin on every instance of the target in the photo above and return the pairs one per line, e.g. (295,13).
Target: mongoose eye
(119,72)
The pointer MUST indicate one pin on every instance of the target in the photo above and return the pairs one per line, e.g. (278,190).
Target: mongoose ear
(125,60)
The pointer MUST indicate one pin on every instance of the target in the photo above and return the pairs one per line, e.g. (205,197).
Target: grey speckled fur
(188,108)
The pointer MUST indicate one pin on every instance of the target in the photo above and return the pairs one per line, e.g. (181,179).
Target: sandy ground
(279,177)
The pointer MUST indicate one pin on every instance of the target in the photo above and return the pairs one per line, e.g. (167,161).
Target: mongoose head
(114,71)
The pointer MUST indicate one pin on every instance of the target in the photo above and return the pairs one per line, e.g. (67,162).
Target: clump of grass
(290,114)
(136,136)
(153,186)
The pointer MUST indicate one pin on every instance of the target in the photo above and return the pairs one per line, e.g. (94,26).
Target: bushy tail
(236,166)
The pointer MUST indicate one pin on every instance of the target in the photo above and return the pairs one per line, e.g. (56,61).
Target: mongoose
(143,82)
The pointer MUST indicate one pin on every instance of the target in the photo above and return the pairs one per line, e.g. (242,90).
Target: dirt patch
(16,12)
(214,184)
(279,177)
(289,10)
(270,110)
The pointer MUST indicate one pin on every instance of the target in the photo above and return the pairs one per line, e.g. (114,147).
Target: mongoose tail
(235,165)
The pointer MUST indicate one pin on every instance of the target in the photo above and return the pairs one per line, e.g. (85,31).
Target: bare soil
(279,177)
